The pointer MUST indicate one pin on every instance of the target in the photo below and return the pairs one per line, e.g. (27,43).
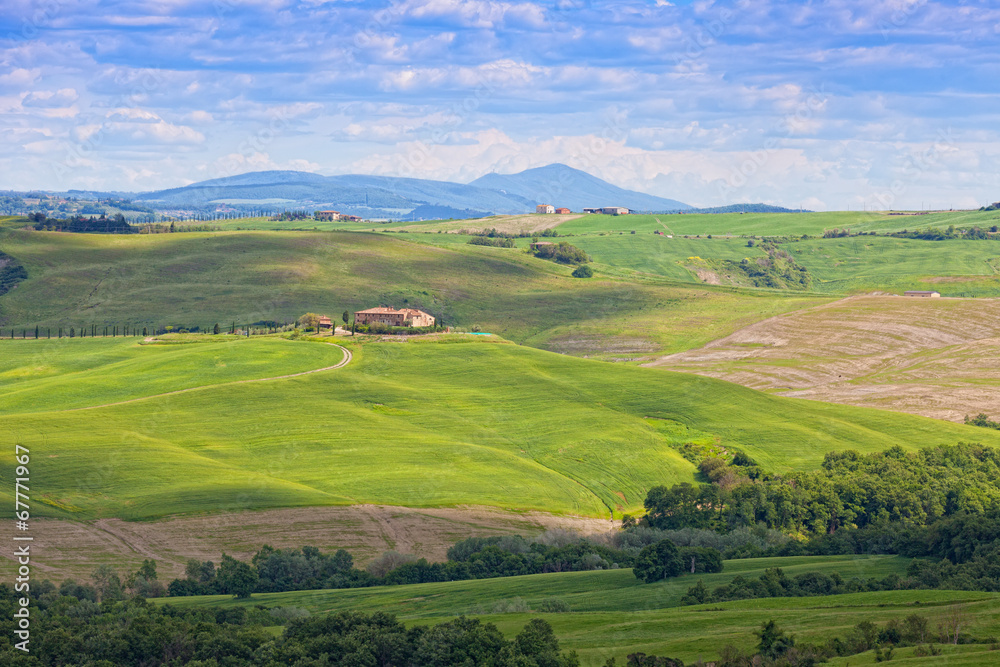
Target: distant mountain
(368,196)
(560,185)
(401,198)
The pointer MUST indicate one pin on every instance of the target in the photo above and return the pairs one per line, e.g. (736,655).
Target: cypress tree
(72,332)
(36,332)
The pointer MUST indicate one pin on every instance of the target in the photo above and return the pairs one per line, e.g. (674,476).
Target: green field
(969,268)
(775,224)
(612,614)
(198,279)
(62,374)
(837,266)
(442,422)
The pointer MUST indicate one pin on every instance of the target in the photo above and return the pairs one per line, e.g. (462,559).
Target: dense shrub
(561,252)
(498,242)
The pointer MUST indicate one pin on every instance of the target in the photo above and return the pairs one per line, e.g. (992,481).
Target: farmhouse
(608,210)
(325,323)
(327,215)
(394,317)
(352,218)
(922,293)
(545,208)
(563,211)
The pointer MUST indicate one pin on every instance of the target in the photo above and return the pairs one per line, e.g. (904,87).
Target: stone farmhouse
(336,215)
(545,208)
(325,323)
(394,317)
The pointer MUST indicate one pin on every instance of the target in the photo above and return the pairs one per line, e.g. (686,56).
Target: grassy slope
(896,265)
(430,424)
(198,279)
(70,373)
(612,614)
(775,224)
(838,266)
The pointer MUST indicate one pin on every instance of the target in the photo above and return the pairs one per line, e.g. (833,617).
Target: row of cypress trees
(126,330)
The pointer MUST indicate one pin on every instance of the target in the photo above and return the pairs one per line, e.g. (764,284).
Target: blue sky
(827,105)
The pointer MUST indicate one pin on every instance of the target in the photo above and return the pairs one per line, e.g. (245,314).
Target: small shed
(922,293)
(563,211)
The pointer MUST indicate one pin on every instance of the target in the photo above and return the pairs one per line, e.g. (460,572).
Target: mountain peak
(561,185)
(394,197)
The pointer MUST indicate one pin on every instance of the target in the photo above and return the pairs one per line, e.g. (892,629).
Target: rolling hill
(448,421)
(200,278)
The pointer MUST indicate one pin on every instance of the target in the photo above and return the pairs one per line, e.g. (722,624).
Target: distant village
(606,210)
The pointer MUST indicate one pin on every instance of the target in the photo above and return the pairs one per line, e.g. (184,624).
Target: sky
(827,105)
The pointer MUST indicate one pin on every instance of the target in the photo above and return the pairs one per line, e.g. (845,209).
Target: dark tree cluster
(69,627)
(117,224)
(889,489)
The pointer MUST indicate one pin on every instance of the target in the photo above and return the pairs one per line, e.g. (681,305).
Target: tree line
(849,491)
(69,627)
(307,568)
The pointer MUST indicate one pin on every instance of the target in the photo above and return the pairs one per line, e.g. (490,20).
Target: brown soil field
(932,357)
(71,550)
(510,224)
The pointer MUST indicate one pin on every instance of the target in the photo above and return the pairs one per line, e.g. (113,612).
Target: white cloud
(20,77)
(135,129)
(50,98)
(477,13)
(200,117)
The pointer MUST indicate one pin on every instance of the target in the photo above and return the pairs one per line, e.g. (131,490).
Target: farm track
(343,362)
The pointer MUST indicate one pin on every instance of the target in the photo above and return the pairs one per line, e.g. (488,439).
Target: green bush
(658,561)
(583,271)
(563,252)
(553,605)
